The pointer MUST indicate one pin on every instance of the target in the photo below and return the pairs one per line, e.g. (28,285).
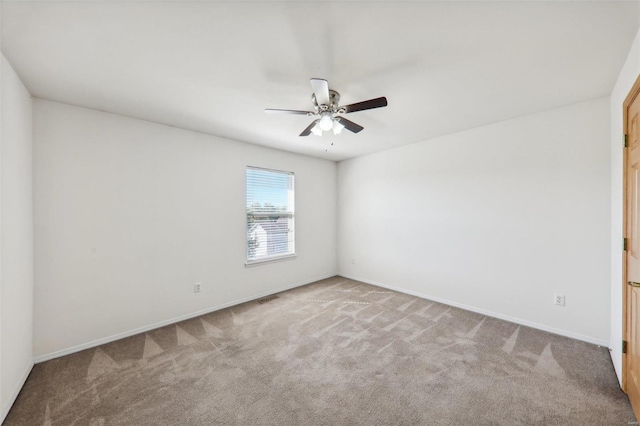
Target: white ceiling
(214,66)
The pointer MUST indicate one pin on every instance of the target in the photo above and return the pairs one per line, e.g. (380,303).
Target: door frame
(633,94)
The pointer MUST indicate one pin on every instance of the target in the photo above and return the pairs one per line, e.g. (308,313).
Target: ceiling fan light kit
(326,105)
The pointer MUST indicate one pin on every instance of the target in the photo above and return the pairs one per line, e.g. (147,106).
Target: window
(270,215)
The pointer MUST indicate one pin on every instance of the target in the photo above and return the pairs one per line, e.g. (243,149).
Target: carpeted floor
(335,352)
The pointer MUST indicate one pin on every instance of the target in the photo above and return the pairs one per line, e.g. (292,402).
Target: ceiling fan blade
(307,131)
(349,125)
(287,111)
(370,104)
(321,90)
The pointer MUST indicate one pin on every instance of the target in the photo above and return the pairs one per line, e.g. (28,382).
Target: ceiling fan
(325,102)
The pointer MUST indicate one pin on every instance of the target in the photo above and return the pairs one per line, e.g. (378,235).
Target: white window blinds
(270,214)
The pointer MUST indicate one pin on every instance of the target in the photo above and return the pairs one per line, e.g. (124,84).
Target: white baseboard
(515,320)
(146,328)
(14,394)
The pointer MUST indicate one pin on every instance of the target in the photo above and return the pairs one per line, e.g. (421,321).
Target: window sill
(252,263)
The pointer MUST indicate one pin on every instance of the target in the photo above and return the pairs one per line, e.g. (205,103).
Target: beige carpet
(335,352)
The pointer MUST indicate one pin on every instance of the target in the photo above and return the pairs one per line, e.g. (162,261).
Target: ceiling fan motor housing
(334,98)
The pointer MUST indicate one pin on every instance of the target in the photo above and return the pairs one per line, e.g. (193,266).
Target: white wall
(627,77)
(129,215)
(496,219)
(16,237)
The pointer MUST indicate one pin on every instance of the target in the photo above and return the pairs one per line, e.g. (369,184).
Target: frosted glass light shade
(337,127)
(326,122)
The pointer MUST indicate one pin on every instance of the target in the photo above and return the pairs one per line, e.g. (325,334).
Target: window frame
(291,211)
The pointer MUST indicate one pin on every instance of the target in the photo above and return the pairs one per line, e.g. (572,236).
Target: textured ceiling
(214,66)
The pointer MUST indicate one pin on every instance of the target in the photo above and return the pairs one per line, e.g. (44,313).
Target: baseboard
(14,394)
(149,327)
(515,320)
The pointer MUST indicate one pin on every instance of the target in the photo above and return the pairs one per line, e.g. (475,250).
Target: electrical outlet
(558,299)
(196,287)
(353,261)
